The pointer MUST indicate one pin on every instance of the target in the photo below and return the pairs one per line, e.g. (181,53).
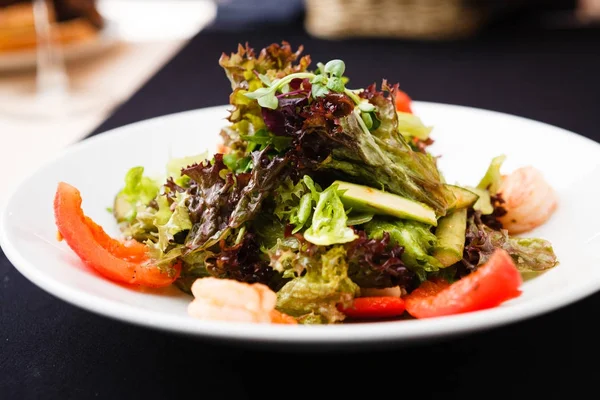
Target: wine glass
(53,96)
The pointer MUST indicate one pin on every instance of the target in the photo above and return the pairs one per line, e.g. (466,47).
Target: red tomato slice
(131,250)
(120,262)
(374,307)
(403,102)
(428,289)
(493,283)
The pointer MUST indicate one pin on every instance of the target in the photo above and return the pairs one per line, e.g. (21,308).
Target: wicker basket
(414,19)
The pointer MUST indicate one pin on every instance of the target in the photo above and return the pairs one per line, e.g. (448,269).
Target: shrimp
(231,300)
(529,200)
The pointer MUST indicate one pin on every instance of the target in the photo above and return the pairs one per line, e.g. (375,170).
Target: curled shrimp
(231,300)
(529,200)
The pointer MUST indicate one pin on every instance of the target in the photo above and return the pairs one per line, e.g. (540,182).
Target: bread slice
(17,29)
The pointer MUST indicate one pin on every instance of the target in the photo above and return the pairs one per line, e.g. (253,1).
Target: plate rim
(393,331)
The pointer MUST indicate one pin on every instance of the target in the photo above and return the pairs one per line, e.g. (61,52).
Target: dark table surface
(52,350)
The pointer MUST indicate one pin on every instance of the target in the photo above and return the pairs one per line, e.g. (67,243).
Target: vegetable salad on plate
(322,205)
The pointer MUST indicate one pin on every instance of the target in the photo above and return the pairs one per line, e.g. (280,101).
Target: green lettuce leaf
(170,223)
(294,203)
(142,228)
(315,295)
(529,254)
(377,263)
(138,192)
(237,162)
(269,229)
(263,138)
(416,238)
(411,126)
(193,266)
(291,256)
(382,158)
(162,229)
(329,221)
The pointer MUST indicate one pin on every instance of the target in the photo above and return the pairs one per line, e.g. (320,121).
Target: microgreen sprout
(327,78)
(267,96)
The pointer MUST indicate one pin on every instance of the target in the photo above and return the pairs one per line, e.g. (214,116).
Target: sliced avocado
(484,203)
(450,233)
(465,198)
(369,200)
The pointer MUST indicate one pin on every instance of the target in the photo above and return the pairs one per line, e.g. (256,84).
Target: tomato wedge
(495,282)
(121,262)
(403,102)
(374,307)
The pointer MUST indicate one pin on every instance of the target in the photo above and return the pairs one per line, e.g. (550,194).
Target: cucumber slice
(450,233)
(465,198)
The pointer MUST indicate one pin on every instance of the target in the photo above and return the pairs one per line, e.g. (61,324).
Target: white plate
(26,59)
(468,138)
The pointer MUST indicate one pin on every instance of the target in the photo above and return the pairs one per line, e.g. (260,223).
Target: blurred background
(408,19)
(67,65)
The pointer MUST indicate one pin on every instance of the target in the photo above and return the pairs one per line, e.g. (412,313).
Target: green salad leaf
(170,223)
(269,229)
(294,203)
(382,158)
(315,295)
(293,255)
(329,222)
(416,238)
(411,126)
(138,192)
(529,254)
(263,138)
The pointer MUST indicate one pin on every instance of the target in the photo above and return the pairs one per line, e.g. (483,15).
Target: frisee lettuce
(294,203)
(314,296)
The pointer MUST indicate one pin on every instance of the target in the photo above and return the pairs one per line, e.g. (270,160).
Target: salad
(322,205)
